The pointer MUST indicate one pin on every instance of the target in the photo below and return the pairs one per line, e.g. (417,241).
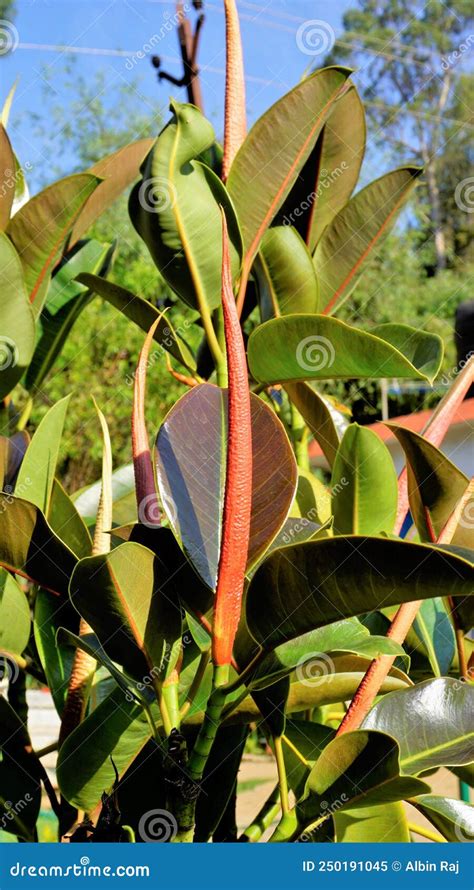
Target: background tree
(408,65)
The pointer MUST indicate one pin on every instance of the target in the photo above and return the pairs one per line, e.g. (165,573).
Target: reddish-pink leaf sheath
(435,431)
(145,488)
(235,126)
(238,483)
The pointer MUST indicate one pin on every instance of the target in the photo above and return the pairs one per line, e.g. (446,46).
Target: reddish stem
(235,126)
(238,484)
(145,488)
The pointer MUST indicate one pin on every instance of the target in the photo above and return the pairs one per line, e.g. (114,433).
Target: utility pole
(189,45)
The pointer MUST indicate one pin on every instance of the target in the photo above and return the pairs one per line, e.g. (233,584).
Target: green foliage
(129,625)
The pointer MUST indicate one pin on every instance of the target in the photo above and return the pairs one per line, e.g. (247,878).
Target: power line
(130,54)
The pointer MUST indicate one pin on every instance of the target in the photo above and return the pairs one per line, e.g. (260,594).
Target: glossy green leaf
(312,499)
(285,276)
(38,469)
(17,324)
(363,466)
(432,722)
(313,654)
(113,733)
(117,171)
(310,739)
(191,460)
(176,210)
(276,149)
(356,233)
(434,484)
(29,547)
(381,824)
(312,584)
(18,783)
(117,730)
(66,522)
(433,626)
(454,819)
(143,314)
(120,596)
(15,619)
(219,780)
(182,578)
(319,415)
(354,770)
(56,657)
(40,228)
(314,347)
(65,301)
(330,174)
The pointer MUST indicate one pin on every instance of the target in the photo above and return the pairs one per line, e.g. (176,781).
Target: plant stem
(25,414)
(299,435)
(459,636)
(378,670)
(210,724)
(296,752)
(186,808)
(266,815)
(196,683)
(170,699)
(282,780)
(425,832)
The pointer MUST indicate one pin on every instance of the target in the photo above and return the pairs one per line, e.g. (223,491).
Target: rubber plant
(225,586)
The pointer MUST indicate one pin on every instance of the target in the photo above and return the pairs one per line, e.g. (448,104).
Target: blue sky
(275,57)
